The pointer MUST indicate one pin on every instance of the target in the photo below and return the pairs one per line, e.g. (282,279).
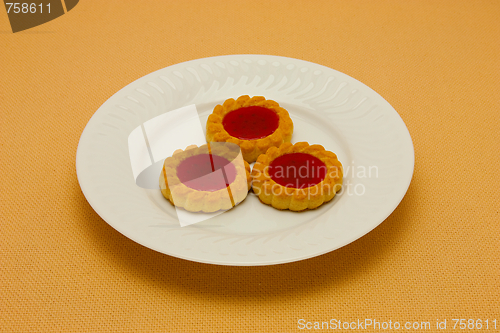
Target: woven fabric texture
(63,269)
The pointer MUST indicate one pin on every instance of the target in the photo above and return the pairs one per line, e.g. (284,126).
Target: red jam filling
(251,122)
(297,170)
(206,172)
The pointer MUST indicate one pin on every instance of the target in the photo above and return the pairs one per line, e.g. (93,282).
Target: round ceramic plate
(327,107)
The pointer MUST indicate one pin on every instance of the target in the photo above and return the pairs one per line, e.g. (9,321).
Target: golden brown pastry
(297,176)
(255,124)
(205,179)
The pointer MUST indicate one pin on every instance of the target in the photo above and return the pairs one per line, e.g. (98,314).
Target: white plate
(327,108)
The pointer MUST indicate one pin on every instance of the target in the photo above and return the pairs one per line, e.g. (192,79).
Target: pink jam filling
(206,172)
(297,170)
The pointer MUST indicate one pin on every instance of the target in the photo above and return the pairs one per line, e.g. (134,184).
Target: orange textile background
(63,269)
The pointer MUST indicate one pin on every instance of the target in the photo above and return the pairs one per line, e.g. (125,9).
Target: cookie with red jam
(297,176)
(206,179)
(254,124)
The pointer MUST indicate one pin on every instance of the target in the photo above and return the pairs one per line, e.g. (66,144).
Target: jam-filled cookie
(297,176)
(205,179)
(255,124)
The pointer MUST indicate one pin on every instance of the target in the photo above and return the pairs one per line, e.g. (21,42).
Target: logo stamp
(26,15)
